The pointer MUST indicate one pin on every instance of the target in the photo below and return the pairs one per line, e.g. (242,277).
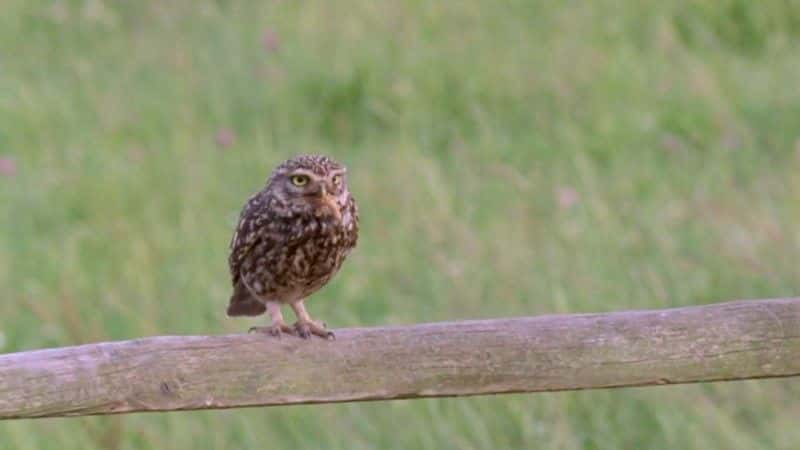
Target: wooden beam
(727,341)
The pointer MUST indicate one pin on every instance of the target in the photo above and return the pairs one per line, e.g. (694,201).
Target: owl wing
(248,235)
(353,210)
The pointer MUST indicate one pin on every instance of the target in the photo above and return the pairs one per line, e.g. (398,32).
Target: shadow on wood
(727,341)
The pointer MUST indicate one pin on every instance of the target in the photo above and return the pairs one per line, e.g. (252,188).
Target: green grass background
(509,158)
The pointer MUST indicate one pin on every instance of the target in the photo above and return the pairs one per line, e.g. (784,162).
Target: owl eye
(299,180)
(337,179)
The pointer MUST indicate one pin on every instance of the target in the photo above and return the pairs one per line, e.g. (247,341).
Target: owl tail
(243,303)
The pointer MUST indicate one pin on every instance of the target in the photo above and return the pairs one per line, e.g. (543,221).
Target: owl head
(311,184)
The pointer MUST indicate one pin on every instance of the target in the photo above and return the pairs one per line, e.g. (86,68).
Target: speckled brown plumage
(292,237)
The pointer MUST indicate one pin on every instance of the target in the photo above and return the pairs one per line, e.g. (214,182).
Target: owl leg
(278,325)
(305,327)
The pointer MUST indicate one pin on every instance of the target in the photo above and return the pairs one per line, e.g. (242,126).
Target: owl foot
(276,330)
(305,329)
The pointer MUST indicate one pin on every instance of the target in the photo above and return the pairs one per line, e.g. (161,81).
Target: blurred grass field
(509,158)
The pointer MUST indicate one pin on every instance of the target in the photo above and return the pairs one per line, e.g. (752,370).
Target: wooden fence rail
(726,341)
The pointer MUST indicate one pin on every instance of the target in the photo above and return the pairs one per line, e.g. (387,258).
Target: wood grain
(726,341)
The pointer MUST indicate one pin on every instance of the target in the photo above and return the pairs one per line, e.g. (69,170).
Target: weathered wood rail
(726,341)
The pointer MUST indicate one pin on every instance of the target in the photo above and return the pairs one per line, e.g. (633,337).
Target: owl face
(312,184)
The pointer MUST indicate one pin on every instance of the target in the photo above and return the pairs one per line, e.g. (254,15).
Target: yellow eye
(299,180)
(337,179)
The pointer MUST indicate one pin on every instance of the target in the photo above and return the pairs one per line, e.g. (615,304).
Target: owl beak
(330,202)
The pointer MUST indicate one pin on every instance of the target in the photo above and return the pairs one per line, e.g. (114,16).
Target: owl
(292,237)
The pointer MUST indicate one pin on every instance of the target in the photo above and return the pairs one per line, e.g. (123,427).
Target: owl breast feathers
(293,235)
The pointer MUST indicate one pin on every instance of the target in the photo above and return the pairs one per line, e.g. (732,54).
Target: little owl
(292,237)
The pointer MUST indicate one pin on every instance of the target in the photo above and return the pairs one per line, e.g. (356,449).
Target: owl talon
(303,331)
(275,330)
(306,329)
